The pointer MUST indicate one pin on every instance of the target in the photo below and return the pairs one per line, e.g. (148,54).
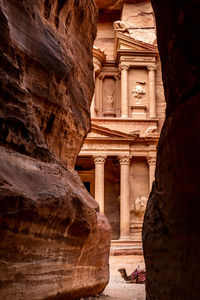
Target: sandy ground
(118,289)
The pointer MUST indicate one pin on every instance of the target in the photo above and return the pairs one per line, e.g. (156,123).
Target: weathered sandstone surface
(172,225)
(54,243)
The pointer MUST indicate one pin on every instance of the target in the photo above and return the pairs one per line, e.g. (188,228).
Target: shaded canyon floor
(118,289)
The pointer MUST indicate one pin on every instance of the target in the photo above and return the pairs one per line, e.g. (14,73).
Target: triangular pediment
(126,43)
(103,133)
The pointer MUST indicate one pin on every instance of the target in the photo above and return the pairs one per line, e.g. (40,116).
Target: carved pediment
(102,133)
(125,45)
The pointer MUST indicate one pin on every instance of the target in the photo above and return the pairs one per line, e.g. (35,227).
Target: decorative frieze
(137,58)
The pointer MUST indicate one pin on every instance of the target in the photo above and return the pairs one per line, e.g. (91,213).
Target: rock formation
(172,225)
(54,243)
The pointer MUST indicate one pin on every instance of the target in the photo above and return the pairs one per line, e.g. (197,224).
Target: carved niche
(138,92)
(109,97)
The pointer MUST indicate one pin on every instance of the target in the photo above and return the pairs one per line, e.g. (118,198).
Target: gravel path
(118,289)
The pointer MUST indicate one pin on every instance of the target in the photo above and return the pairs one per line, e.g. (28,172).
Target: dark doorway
(87,185)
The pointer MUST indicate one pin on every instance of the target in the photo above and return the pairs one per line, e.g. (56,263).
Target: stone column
(101,78)
(124,90)
(152,91)
(99,180)
(124,197)
(152,166)
(118,98)
(92,112)
(97,93)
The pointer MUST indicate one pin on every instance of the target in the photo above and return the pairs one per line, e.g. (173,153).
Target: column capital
(102,76)
(117,77)
(124,159)
(152,67)
(123,66)
(99,159)
(151,160)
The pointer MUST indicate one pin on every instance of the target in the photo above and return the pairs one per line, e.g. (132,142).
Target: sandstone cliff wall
(172,225)
(54,243)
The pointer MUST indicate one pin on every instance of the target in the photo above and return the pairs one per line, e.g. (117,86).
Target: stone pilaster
(97,93)
(152,166)
(152,91)
(124,89)
(124,197)
(101,78)
(99,180)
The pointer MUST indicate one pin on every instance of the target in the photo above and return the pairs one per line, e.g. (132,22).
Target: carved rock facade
(127,113)
(54,243)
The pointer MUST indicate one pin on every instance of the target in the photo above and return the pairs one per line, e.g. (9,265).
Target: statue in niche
(109,100)
(139,91)
(139,206)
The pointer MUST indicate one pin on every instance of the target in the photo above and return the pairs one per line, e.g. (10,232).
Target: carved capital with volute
(117,77)
(151,160)
(123,66)
(152,67)
(99,159)
(102,76)
(124,159)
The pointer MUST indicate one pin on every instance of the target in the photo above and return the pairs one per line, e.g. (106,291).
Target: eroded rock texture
(172,225)
(54,243)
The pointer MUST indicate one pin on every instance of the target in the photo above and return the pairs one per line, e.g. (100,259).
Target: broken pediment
(126,45)
(102,133)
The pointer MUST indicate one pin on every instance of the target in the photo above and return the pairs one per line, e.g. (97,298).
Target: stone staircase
(126,247)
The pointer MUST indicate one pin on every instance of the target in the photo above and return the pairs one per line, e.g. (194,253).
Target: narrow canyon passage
(82,144)
(54,56)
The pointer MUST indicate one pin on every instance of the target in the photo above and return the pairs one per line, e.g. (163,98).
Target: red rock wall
(54,243)
(46,76)
(172,225)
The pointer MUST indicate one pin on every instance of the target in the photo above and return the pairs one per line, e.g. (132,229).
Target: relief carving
(109,97)
(139,206)
(139,91)
(120,26)
(109,100)
(151,129)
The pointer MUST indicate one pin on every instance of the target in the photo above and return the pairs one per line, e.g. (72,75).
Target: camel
(138,276)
